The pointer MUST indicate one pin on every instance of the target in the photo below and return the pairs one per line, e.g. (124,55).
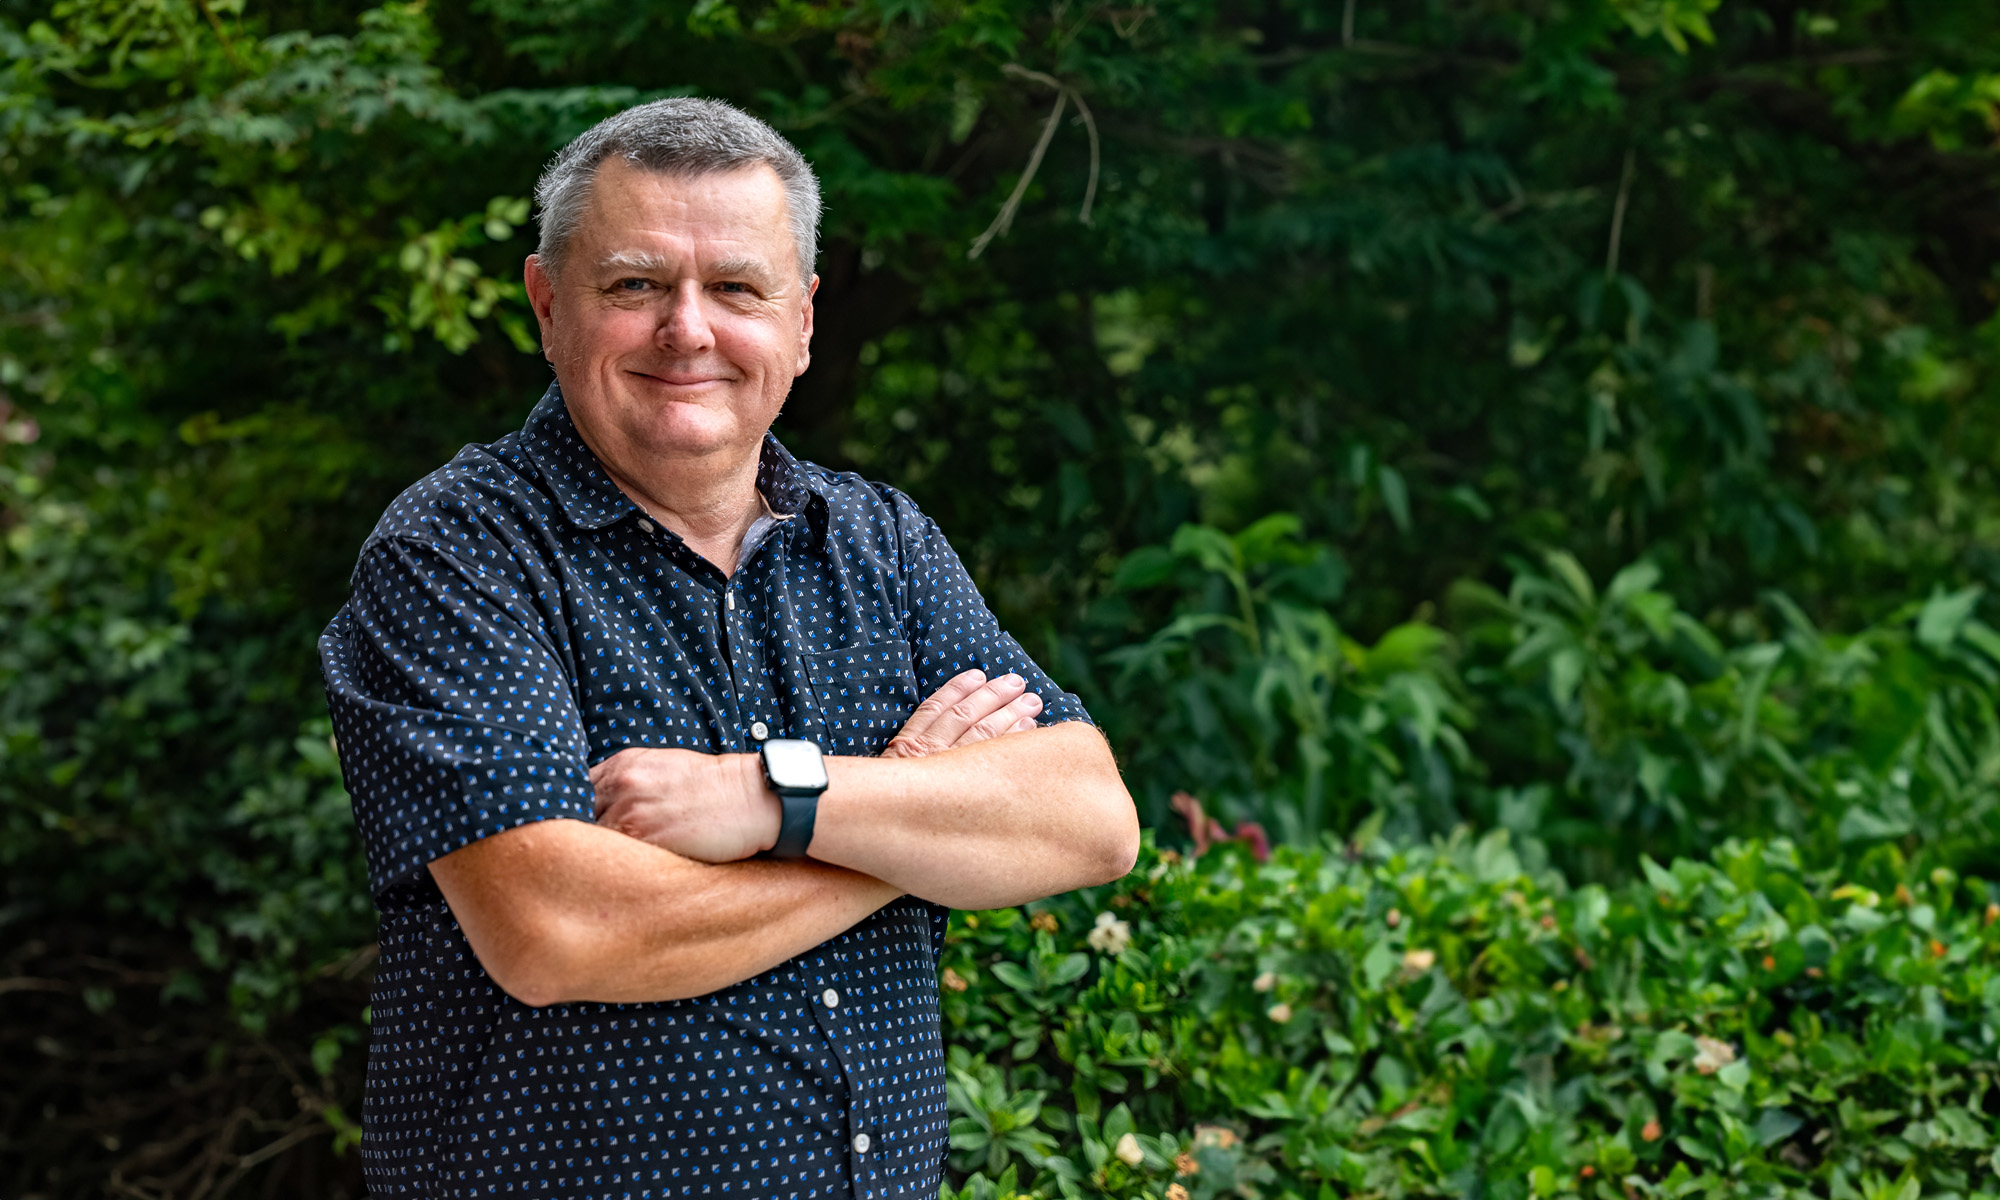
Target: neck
(709,506)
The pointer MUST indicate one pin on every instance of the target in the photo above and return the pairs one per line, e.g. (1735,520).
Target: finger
(610,782)
(955,689)
(1026,706)
(985,701)
(609,768)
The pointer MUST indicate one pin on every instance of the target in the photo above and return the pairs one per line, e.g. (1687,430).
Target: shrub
(1605,721)
(1452,1020)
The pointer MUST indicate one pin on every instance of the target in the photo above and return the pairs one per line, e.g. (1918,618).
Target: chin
(682,428)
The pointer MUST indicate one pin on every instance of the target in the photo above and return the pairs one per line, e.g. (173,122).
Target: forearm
(565,910)
(987,825)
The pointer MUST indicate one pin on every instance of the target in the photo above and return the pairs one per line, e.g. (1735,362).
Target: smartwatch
(796,771)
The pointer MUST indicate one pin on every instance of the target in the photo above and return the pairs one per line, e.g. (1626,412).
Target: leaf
(325,1053)
(1983,637)
(1774,1125)
(1631,582)
(1572,575)
(1148,566)
(1944,614)
(1655,611)
(1069,970)
(1014,977)
(1859,824)
(1212,548)
(1411,647)
(1378,964)
(1659,878)
(1494,860)
(1694,643)
(1566,667)
(1263,540)
(1395,495)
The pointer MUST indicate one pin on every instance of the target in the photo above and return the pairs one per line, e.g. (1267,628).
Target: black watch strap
(795,832)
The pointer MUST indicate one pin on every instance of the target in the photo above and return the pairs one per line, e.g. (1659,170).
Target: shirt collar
(586,495)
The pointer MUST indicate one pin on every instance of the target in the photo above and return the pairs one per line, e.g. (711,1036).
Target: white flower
(1416,962)
(1265,982)
(1127,1150)
(1111,935)
(1711,1056)
(1280,1013)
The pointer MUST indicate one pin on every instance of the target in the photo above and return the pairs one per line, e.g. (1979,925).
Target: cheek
(761,347)
(602,333)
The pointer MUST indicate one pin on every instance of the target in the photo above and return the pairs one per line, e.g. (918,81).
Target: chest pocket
(865,693)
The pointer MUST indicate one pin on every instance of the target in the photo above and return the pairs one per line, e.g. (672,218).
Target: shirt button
(729,601)
(861,1143)
(759,730)
(831,999)
(645,526)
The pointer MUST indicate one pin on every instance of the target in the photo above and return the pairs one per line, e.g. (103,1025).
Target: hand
(711,807)
(968,708)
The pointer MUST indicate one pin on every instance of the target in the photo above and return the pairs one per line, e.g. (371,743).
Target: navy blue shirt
(515,618)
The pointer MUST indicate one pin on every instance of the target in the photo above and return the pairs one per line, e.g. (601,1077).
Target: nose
(683,327)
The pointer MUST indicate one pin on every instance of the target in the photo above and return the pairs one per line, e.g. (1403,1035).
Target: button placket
(826,1013)
(747,686)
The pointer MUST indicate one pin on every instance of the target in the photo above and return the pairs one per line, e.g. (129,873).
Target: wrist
(749,782)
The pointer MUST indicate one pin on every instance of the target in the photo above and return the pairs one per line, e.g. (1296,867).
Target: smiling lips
(682,378)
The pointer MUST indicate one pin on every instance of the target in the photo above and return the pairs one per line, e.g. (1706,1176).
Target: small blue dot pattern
(514,619)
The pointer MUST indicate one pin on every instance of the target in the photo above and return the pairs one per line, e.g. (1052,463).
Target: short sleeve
(951,629)
(454,717)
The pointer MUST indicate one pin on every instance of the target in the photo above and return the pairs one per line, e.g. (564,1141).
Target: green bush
(1703,286)
(1451,1020)
(1653,732)
(1607,721)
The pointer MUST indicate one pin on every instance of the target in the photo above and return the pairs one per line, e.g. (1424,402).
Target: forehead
(736,212)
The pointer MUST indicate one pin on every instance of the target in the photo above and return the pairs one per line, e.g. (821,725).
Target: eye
(632,285)
(734,287)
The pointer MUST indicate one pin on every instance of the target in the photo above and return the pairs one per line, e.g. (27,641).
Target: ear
(806,329)
(541,297)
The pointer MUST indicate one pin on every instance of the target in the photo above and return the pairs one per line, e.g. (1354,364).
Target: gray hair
(676,136)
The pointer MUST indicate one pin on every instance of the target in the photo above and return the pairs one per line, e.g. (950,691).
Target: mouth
(679,379)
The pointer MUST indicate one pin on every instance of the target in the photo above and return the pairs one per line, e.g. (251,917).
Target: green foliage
(1252,697)
(1668,739)
(1448,1020)
(1610,723)
(1496,300)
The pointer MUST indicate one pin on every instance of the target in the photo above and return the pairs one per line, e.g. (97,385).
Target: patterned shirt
(514,619)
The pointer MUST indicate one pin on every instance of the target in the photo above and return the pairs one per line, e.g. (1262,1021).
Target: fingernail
(1012,680)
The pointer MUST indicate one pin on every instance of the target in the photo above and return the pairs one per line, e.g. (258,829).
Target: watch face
(794,764)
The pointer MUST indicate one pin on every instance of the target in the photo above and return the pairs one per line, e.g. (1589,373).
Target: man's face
(679,321)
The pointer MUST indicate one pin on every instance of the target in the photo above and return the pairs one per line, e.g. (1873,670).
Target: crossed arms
(971,806)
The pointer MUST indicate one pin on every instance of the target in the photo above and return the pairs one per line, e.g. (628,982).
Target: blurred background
(1569,417)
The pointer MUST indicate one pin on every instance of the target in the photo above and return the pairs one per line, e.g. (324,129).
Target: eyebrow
(745,265)
(646,260)
(638,260)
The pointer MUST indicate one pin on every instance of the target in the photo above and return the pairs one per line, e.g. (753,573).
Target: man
(628,702)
